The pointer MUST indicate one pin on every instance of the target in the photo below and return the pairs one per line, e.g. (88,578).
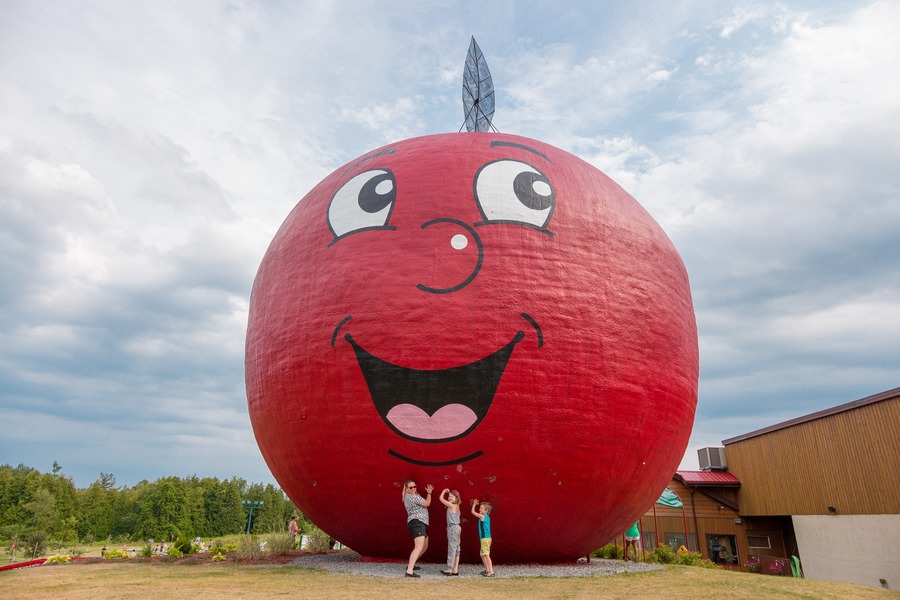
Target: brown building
(824,487)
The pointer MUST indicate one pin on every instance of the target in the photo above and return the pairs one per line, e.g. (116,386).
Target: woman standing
(416,521)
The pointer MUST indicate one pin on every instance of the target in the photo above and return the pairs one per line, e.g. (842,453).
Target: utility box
(712,459)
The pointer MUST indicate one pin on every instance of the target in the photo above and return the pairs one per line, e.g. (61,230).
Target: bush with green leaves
(663,554)
(248,547)
(113,553)
(317,541)
(59,559)
(279,544)
(611,551)
(147,551)
(174,552)
(694,559)
(35,544)
(184,546)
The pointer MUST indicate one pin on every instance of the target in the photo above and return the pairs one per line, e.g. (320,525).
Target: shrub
(76,552)
(248,547)
(279,544)
(611,551)
(147,551)
(639,555)
(184,546)
(218,557)
(317,541)
(663,555)
(113,553)
(689,559)
(35,545)
(58,559)
(174,552)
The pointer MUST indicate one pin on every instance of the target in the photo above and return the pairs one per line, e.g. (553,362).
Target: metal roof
(708,478)
(888,395)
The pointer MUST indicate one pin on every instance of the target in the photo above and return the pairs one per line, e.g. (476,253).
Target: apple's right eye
(364,202)
(510,191)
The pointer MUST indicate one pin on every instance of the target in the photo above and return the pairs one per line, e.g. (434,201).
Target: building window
(722,549)
(649,541)
(759,541)
(676,541)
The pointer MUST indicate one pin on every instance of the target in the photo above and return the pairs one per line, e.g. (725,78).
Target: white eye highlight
(364,202)
(509,191)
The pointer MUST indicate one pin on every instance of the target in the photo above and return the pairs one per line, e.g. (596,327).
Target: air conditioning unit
(712,459)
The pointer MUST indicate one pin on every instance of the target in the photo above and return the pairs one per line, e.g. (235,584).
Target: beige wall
(851,548)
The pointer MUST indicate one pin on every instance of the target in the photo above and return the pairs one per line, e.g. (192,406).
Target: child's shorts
(485,546)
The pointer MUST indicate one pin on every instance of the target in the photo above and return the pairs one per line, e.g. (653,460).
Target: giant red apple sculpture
(477,311)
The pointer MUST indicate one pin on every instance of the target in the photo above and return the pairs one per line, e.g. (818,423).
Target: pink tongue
(448,421)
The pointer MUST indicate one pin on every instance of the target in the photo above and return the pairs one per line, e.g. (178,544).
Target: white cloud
(148,153)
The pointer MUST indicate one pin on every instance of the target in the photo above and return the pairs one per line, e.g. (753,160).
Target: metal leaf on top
(478,91)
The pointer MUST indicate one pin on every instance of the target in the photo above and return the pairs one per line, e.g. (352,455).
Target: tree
(107,481)
(161,516)
(48,503)
(275,512)
(34,544)
(96,509)
(43,510)
(224,513)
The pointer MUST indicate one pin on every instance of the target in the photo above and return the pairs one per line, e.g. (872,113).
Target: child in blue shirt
(484,533)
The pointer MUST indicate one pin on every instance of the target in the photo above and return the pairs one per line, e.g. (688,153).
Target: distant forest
(32,503)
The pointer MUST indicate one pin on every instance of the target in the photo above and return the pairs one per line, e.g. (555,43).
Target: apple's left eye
(509,191)
(364,202)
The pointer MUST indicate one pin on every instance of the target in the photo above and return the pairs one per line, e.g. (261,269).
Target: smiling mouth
(432,406)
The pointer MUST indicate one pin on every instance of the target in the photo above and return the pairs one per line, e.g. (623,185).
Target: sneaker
(416,568)
(486,574)
(412,574)
(483,573)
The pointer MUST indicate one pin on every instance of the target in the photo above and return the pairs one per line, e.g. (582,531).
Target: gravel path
(349,563)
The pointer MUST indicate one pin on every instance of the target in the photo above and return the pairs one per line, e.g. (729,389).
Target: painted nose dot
(459,241)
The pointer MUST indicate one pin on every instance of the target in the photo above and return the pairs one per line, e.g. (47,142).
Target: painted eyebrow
(523,147)
(370,157)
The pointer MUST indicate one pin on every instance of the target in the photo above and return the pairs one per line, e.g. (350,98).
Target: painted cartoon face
(432,405)
(481,311)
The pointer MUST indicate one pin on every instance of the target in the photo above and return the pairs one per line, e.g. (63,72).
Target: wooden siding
(704,515)
(848,460)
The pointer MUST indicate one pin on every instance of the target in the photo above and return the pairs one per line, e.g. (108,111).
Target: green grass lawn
(117,579)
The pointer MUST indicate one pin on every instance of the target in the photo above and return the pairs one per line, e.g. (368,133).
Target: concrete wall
(860,549)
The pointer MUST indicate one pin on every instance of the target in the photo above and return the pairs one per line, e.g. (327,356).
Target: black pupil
(369,198)
(523,186)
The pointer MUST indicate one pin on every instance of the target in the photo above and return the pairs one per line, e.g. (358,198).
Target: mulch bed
(200,558)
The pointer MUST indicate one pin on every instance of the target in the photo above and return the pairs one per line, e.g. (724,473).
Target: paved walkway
(349,563)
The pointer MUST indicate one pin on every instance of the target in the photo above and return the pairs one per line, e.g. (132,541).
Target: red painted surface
(577,301)
(22,565)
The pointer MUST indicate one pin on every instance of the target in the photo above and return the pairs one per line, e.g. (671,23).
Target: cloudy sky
(150,150)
